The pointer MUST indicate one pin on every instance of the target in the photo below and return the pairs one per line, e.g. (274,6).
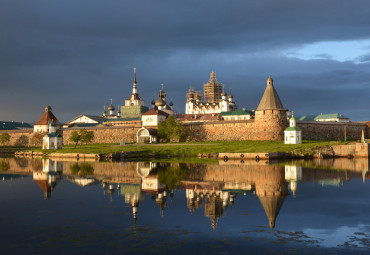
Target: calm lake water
(234,207)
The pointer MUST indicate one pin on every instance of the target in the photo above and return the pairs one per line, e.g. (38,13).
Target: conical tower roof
(270,99)
(47,117)
(272,207)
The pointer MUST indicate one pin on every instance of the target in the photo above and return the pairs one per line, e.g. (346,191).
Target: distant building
(292,134)
(153,117)
(215,99)
(42,125)
(85,121)
(134,105)
(12,125)
(239,114)
(334,117)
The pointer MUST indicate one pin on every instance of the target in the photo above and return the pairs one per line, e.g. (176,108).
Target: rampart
(105,134)
(313,130)
(214,131)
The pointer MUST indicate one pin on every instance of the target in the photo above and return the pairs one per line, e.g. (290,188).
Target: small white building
(52,140)
(292,134)
(146,135)
(153,117)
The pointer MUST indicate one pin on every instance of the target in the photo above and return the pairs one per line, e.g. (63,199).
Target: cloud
(76,55)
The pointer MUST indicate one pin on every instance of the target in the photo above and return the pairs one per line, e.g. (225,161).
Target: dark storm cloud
(76,55)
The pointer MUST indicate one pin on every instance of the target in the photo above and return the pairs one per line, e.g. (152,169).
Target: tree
(75,137)
(170,130)
(86,136)
(36,139)
(4,138)
(171,176)
(82,170)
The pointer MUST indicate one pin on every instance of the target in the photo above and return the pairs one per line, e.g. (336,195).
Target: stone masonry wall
(313,130)
(106,134)
(215,131)
(220,131)
(19,137)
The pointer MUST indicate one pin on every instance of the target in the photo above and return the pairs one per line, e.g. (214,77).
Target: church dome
(153,102)
(171,103)
(223,93)
(230,96)
(111,108)
(160,102)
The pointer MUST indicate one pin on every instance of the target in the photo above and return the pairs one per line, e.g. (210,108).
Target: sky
(77,55)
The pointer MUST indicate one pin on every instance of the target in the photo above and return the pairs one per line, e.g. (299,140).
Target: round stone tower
(270,116)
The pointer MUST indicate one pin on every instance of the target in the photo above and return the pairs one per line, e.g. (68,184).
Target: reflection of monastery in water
(50,175)
(209,187)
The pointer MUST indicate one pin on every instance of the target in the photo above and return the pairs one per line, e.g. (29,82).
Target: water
(300,207)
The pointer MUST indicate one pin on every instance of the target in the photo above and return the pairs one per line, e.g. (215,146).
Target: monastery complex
(209,116)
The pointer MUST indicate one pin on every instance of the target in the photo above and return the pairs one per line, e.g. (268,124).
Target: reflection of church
(50,175)
(134,188)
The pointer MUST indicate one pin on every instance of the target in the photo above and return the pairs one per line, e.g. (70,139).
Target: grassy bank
(194,148)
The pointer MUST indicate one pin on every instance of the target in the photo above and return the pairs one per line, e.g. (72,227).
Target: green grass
(194,148)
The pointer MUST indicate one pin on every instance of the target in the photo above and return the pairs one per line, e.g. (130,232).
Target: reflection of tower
(50,175)
(213,209)
(190,198)
(161,201)
(292,175)
(111,191)
(133,197)
(271,190)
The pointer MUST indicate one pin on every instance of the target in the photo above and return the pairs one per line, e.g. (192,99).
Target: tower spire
(134,88)
(134,75)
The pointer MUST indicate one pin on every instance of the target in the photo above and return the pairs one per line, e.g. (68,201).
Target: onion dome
(230,96)
(118,111)
(153,102)
(111,107)
(160,102)
(104,111)
(171,103)
(223,93)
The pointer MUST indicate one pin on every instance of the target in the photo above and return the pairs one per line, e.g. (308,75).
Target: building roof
(54,134)
(270,99)
(120,119)
(236,112)
(152,131)
(92,117)
(199,117)
(47,117)
(322,117)
(155,112)
(83,124)
(11,125)
(330,116)
(292,129)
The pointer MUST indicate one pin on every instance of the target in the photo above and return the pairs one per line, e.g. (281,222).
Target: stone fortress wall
(217,131)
